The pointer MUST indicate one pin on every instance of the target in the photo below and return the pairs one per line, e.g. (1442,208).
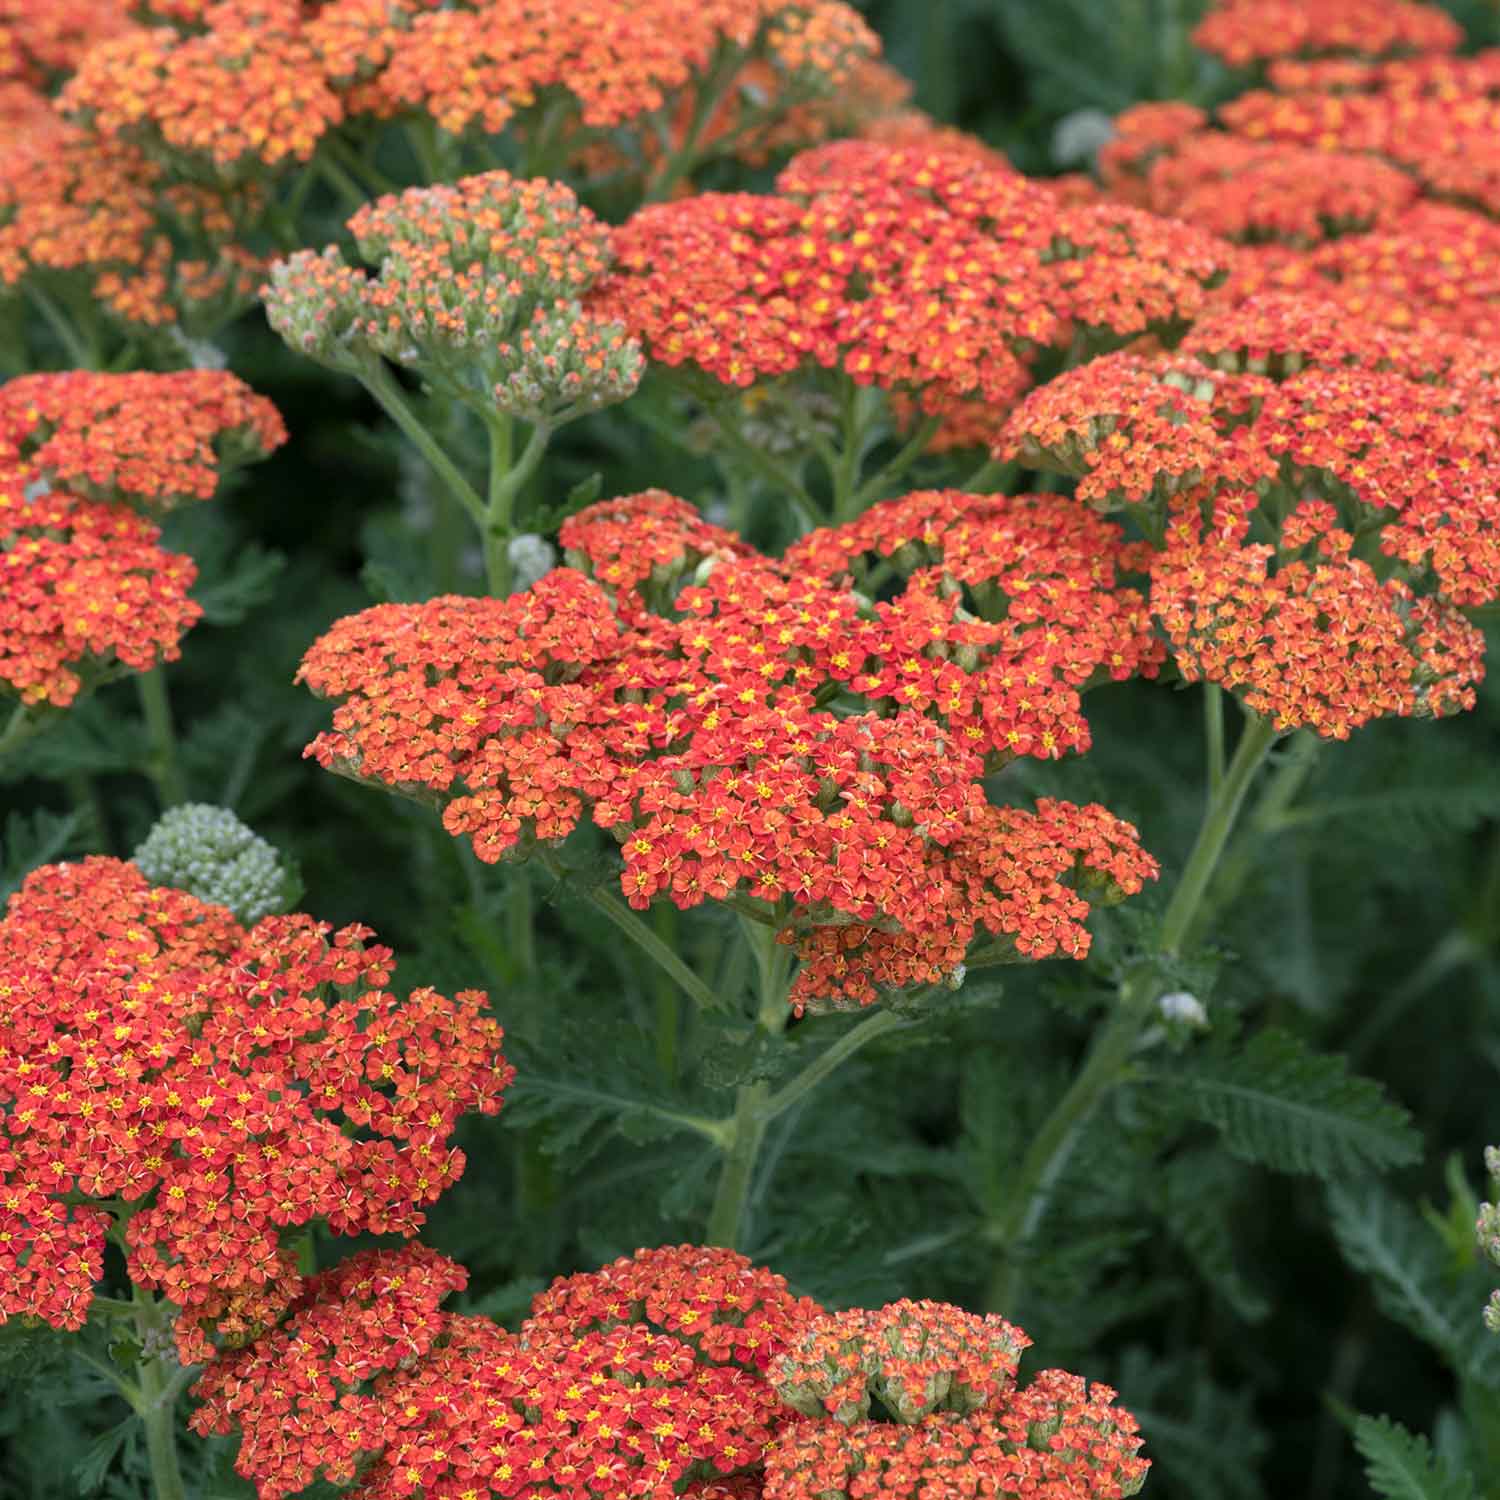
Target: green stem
(506,481)
(374,182)
(989,473)
(158,1392)
(761,462)
(882,1023)
(381,385)
(1213,735)
(716,85)
(726,1220)
(910,452)
(1109,1056)
(629,923)
(163,767)
(62,327)
(19,728)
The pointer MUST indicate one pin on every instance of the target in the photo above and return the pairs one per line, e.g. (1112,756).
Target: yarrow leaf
(1402,1466)
(1279,1103)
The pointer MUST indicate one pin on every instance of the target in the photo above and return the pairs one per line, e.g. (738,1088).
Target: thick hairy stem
(163,767)
(726,1220)
(1109,1055)
(160,1385)
(684,159)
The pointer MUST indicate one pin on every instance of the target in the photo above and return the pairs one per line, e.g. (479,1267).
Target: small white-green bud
(207,852)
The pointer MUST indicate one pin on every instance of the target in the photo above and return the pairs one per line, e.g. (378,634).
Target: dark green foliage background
(1179,1263)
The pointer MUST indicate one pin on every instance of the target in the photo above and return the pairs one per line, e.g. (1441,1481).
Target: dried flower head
(152,440)
(223,1085)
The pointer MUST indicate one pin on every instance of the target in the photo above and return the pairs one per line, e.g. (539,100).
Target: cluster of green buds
(207,852)
(476,286)
(904,1361)
(1489,1232)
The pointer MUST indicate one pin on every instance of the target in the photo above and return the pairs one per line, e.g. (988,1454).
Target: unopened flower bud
(209,853)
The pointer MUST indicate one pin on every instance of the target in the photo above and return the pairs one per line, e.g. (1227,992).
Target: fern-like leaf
(1412,1279)
(1402,1466)
(1280,1103)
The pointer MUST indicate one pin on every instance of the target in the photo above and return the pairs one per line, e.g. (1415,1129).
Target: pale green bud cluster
(1489,1232)
(207,852)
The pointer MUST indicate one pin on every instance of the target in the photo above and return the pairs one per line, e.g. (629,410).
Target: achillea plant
(369,1382)
(200,1091)
(771,739)
(1488,1230)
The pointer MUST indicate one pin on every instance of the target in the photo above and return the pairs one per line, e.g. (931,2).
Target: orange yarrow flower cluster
(478,65)
(1249,31)
(87,591)
(713,1299)
(369,1378)
(1367,462)
(224,1084)
(687,707)
(369,1381)
(1055,1439)
(151,440)
(246,92)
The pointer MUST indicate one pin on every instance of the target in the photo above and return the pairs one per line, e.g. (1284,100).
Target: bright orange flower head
(245,93)
(1056,1439)
(300,1393)
(728,1310)
(683,699)
(913,271)
(87,591)
(1308,634)
(225,1084)
(42,39)
(151,440)
(1246,31)
(478,65)
(626,1411)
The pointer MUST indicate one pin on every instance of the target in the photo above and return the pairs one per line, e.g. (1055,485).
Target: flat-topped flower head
(624,1411)
(1121,271)
(41,40)
(748,728)
(151,440)
(244,94)
(224,1084)
(1249,31)
(301,1395)
(74,206)
(1057,1439)
(911,1358)
(88,591)
(913,271)
(1131,430)
(481,65)
(1307,634)
(728,1310)
(1255,192)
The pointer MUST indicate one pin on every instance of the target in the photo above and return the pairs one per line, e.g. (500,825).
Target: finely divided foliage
(750,531)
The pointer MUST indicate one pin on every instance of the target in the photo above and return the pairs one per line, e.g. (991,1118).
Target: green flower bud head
(1488,1229)
(209,853)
